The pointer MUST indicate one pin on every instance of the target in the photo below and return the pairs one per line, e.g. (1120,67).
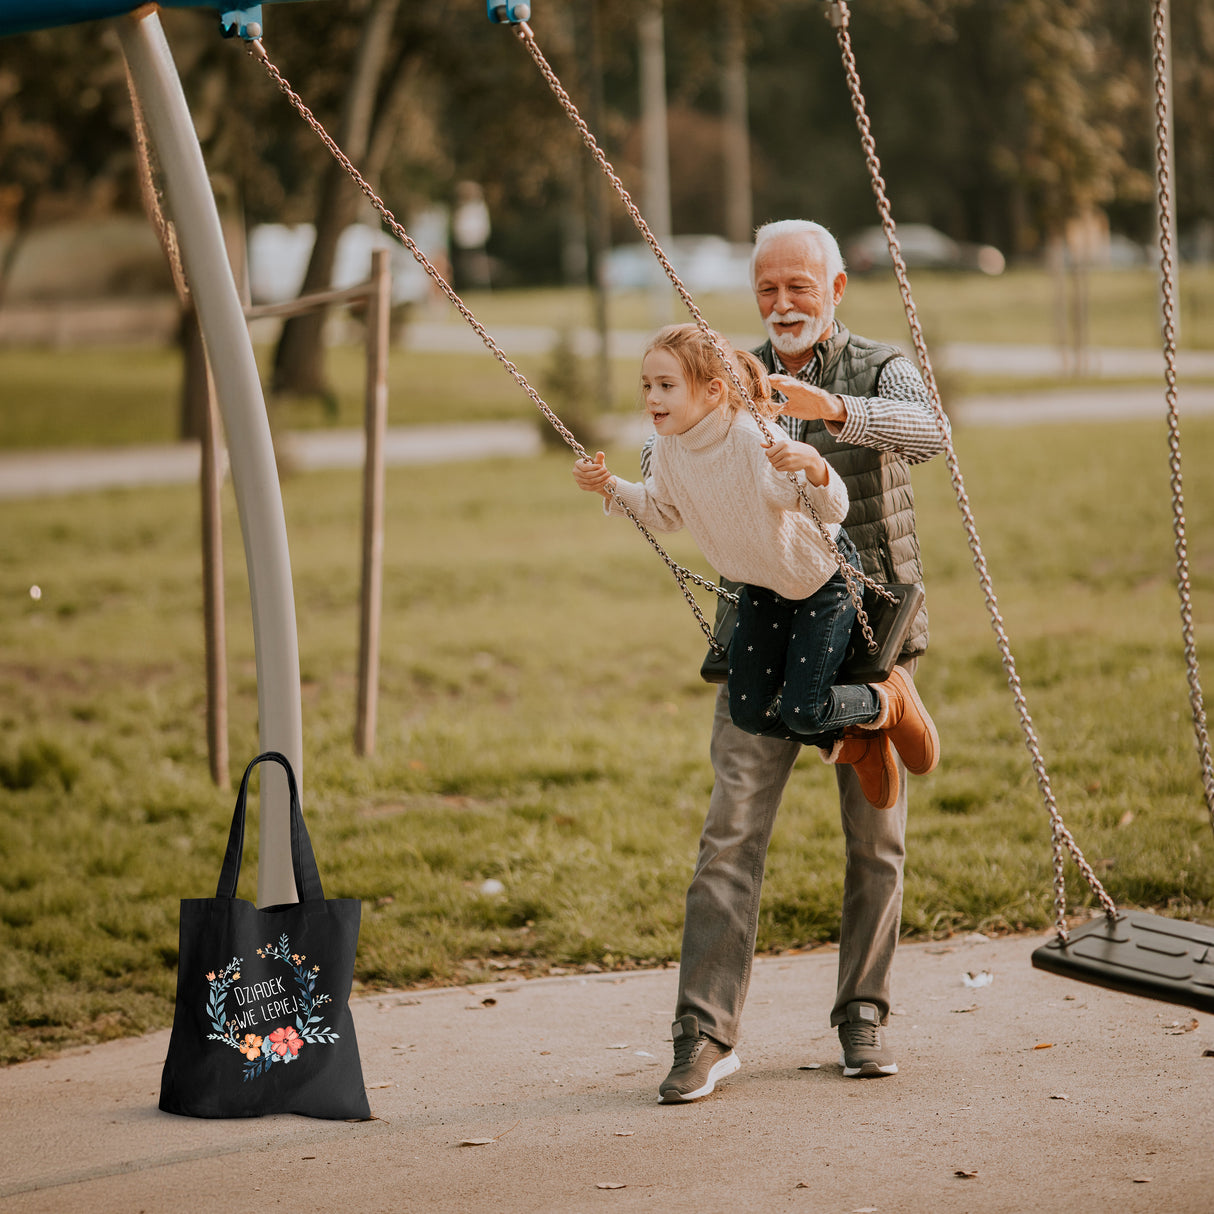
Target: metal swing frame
(1143,954)
(1132,951)
(251,451)
(1140,953)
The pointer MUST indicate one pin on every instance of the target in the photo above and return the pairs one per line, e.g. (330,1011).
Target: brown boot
(905,720)
(871,754)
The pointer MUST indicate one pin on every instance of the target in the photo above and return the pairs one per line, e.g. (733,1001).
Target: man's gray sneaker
(699,1062)
(864,1052)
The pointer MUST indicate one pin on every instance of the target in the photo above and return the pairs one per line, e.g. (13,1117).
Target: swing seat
(1140,954)
(890,624)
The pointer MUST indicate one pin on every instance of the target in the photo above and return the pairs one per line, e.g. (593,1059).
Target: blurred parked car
(923,247)
(704,263)
(278,257)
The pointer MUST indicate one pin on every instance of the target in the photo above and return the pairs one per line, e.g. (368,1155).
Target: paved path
(65,470)
(1046,1094)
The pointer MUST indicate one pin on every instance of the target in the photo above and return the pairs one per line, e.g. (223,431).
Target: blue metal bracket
(241,22)
(508,12)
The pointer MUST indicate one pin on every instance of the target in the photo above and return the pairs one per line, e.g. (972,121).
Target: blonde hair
(701,363)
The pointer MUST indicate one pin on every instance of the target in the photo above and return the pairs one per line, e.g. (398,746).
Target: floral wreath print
(283,1043)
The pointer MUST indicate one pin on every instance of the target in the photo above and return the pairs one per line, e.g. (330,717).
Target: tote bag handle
(303,860)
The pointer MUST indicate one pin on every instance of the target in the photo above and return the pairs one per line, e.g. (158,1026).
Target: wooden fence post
(379,303)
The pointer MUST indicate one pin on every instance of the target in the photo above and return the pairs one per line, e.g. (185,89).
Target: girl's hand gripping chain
(787,455)
(594,476)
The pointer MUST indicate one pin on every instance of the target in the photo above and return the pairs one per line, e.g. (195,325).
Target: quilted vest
(881,517)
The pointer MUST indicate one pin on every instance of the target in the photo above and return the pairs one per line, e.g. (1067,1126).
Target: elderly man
(865,408)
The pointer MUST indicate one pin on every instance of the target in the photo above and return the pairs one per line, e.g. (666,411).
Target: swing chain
(839,16)
(681,574)
(1167,290)
(852,576)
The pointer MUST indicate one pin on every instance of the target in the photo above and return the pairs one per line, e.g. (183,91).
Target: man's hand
(807,402)
(594,476)
(789,456)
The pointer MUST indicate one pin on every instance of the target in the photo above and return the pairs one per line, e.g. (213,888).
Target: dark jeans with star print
(783,659)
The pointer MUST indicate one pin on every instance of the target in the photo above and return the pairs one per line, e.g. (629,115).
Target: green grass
(1018,306)
(133,394)
(542,723)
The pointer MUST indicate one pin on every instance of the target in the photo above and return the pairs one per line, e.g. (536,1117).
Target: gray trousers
(723,899)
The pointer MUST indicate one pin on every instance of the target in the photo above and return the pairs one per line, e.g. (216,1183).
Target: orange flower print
(211,976)
(252,1046)
(285,1041)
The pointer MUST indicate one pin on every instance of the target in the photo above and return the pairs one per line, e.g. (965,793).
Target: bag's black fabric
(262,1022)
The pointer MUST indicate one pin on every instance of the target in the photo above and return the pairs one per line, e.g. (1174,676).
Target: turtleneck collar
(710,429)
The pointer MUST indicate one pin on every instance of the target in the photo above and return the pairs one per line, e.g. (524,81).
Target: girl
(712,471)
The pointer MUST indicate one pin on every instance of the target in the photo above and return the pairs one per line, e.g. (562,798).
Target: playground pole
(250,447)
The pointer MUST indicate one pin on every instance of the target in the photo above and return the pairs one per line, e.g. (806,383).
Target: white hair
(810,233)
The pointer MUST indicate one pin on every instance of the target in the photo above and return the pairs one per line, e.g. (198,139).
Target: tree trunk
(22,228)
(739,210)
(299,359)
(598,212)
(195,388)
(654,142)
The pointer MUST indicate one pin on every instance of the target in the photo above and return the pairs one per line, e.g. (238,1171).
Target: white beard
(796,344)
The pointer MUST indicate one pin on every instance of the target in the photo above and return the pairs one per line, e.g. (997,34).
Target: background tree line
(996,120)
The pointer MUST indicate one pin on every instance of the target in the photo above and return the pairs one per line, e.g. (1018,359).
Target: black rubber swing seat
(1141,954)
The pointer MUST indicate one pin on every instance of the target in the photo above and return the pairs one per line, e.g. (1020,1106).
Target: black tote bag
(262,1023)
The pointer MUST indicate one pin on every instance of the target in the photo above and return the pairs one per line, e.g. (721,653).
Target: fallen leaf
(981,978)
(1142,1180)
(1060,1096)
(484,1142)
(1126,818)
(610,1184)
(1207,1053)
(1176,1028)
(624,1133)
(307,1157)
(371,1087)
(973,1007)
(642,1053)
(810,1066)
(966,1173)
(622,1046)
(801,1185)
(1044,1045)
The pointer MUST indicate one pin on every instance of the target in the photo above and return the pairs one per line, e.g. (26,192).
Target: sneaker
(864,1053)
(699,1062)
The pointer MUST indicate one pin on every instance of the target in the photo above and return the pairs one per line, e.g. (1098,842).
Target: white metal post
(250,447)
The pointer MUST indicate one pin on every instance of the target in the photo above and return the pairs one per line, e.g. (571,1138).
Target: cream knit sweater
(715,479)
